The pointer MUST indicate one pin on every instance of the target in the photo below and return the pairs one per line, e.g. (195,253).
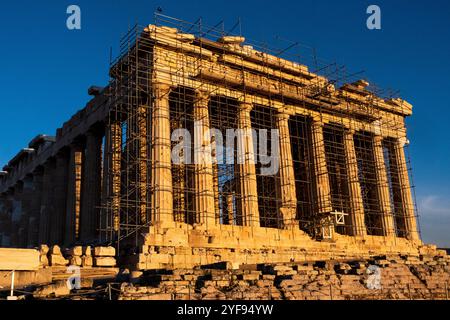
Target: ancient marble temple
(342,188)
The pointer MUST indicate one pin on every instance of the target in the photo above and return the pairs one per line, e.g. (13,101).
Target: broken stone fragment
(58,260)
(104,261)
(163,29)
(57,289)
(86,261)
(87,251)
(43,260)
(232,40)
(55,250)
(342,268)
(361,83)
(104,251)
(43,249)
(86,283)
(185,37)
(75,261)
(75,251)
(169,29)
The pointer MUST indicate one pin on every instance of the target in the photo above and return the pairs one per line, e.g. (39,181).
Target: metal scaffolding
(317,156)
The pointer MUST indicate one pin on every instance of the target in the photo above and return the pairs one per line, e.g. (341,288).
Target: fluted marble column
(384,200)
(216,191)
(162,196)
(229,202)
(405,189)
(4,219)
(47,206)
(142,122)
(246,169)
(16,214)
(10,223)
(27,198)
(203,171)
(58,217)
(112,171)
(320,168)
(73,195)
(91,187)
(288,205)
(33,229)
(354,187)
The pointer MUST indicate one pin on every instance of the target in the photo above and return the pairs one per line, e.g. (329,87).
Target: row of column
(205,199)
(357,217)
(382,183)
(59,202)
(67,191)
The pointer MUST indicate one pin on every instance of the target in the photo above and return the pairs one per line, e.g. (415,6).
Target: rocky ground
(381,277)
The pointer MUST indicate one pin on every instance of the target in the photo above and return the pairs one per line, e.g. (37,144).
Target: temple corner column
(412,232)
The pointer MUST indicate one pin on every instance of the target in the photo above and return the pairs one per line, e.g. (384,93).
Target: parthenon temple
(343,187)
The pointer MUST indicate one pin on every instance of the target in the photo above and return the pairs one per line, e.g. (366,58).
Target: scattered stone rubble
(58,289)
(104,256)
(77,256)
(397,276)
(401,277)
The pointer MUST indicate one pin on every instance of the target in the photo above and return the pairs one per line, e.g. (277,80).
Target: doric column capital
(402,141)
(350,132)
(161,89)
(282,116)
(246,106)
(376,127)
(317,121)
(202,93)
(377,138)
(202,97)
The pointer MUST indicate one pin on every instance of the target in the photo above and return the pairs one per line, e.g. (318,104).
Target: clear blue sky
(45,69)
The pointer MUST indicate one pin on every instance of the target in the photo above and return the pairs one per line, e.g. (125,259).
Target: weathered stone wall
(184,246)
(77,256)
(401,277)
(19,259)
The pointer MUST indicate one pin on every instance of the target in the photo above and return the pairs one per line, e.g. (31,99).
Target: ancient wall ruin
(342,188)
